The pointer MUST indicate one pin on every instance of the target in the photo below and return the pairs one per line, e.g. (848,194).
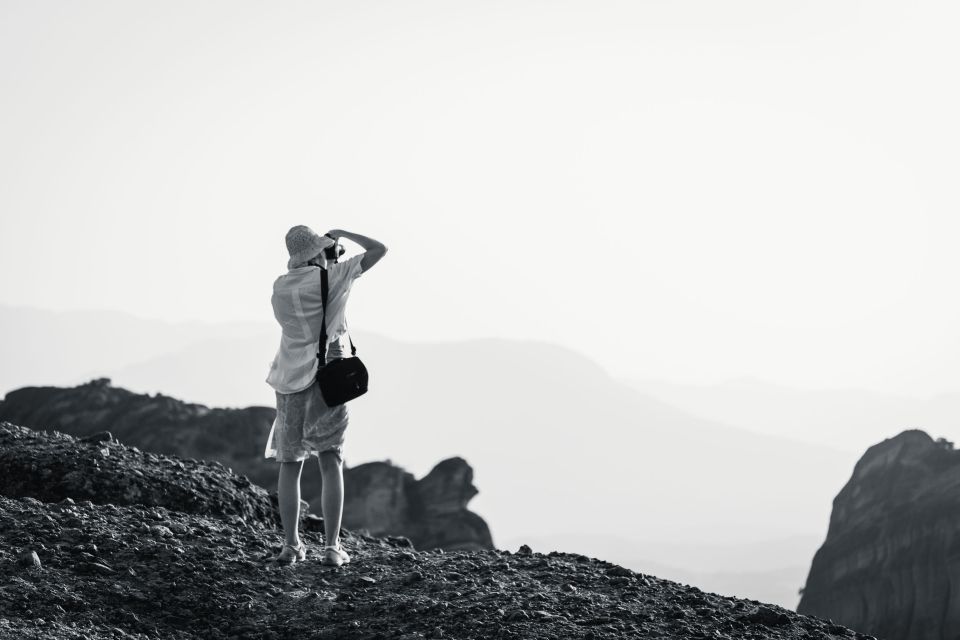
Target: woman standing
(305,425)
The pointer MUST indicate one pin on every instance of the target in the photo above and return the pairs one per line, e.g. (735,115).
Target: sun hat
(303,244)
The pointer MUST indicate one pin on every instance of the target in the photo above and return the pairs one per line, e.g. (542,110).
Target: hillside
(133,545)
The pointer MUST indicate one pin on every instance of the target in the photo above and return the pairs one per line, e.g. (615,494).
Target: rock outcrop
(432,512)
(157,423)
(93,568)
(379,497)
(890,565)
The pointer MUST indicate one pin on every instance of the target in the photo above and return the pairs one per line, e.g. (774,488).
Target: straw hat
(303,244)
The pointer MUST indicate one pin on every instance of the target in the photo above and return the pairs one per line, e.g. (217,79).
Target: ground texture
(111,567)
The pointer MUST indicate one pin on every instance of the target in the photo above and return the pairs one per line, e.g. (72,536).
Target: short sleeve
(349,269)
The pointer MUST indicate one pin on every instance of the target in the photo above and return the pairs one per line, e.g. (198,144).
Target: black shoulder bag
(341,379)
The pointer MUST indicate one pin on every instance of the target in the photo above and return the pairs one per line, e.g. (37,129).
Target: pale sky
(688,191)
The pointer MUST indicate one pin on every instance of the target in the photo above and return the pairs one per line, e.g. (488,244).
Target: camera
(334,252)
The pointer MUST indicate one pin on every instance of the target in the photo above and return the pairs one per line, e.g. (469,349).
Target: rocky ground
(380,496)
(130,555)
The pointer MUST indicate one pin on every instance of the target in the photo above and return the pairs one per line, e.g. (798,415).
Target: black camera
(334,252)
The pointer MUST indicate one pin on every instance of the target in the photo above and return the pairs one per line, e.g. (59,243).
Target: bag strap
(324,292)
(353,349)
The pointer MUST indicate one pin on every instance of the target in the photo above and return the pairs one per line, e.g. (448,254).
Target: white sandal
(300,554)
(335,556)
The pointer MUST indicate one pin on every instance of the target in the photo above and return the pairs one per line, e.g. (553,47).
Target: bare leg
(288,495)
(331,496)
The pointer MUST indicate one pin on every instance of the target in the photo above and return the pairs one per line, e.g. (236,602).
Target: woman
(305,425)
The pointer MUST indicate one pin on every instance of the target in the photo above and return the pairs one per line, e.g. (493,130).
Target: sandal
(334,556)
(299,554)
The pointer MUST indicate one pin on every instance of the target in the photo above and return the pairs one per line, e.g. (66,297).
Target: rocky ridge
(891,559)
(380,497)
(193,562)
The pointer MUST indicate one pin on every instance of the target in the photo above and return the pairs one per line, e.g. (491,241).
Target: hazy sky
(690,191)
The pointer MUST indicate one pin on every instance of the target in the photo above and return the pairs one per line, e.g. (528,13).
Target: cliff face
(379,497)
(187,556)
(890,565)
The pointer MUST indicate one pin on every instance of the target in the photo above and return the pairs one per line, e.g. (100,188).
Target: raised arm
(373,250)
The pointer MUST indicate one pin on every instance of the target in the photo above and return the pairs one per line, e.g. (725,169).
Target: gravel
(79,567)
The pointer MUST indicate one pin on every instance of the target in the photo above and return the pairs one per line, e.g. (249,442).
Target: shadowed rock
(431,512)
(890,565)
(157,423)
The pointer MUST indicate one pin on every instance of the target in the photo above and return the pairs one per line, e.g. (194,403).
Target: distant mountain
(41,347)
(888,564)
(849,419)
(220,372)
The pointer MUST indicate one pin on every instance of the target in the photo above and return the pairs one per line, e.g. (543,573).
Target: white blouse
(298,307)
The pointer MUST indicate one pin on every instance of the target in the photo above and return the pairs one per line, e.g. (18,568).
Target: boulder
(432,512)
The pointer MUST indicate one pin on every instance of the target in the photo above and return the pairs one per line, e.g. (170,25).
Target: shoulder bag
(342,379)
